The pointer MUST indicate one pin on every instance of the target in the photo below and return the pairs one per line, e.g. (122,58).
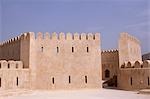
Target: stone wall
(10,50)
(110,63)
(13,75)
(66,61)
(129,48)
(134,75)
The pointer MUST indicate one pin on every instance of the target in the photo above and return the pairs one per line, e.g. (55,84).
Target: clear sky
(109,17)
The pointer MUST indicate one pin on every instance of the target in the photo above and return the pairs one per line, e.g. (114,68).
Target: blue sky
(109,17)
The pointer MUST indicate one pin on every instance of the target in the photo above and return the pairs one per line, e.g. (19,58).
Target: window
(0,65)
(42,49)
(148,81)
(57,49)
(107,73)
(87,49)
(8,65)
(86,79)
(69,79)
(53,80)
(17,81)
(131,81)
(0,82)
(72,49)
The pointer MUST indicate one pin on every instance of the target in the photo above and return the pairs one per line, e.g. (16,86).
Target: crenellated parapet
(13,40)
(109,51)
(68,36)
(11,64)
(136,64)
(53,36)
(125,35)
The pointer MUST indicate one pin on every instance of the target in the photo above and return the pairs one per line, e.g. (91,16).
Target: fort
(45,61)
(40,61)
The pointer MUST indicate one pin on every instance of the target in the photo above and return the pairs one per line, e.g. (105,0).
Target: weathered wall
(54,59)
(110,61)
(10,50)
(11,71)
(134,77)
(129,48)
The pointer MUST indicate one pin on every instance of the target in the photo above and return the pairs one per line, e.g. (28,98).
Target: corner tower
(129,48)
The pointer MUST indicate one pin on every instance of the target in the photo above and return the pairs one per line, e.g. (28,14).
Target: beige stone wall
(110,61)
(129,48)
(135,76)
(10,50)
(54,59)
(10,71)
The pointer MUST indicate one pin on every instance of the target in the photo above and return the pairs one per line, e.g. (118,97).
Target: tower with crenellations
(56,61)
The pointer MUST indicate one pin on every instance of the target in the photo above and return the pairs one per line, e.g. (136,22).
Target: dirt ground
(75,94)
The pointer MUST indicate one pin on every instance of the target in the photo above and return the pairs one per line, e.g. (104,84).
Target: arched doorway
(107,73)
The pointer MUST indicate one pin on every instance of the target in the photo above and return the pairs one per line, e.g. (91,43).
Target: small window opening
(42,49)
(0,65)
(72,49)
(87,48)
(131,81)
(53,80)
(86,79)
(148,81)
(8,65)
(17,81)
(57,49)
(0,82)
(69,79)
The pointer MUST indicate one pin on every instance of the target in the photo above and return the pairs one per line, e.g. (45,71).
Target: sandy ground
(80,94)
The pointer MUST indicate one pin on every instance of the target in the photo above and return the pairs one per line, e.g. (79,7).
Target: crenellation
(47,36)
(54,36)
(136,64)
(11,64)
(68,36)
(39,36)
(90,36)
(4,64)
(83,36)
(76,36)
(62,36)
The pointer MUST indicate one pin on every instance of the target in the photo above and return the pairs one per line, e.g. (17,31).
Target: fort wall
(110,63)
(129,48)
(134,75)
(13,75)
(68,61)
(10,50)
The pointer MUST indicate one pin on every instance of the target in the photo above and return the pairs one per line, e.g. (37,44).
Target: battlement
(136,64)
(53,36)
(10,64)
(110,51)
(125,35)
(12,40)
(68,36)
